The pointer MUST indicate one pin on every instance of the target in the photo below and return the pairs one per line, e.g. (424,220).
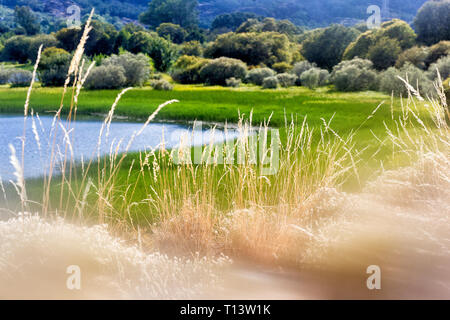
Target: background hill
(302,12)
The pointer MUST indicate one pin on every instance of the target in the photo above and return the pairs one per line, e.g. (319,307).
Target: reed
(229,203)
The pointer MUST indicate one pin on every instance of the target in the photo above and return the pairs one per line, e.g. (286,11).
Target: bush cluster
(106,77)
(354,75)
(20,78)
(390,83)
(270,83)
(256,76)
(54,66)
(186,69)
(217,71)
(4,75)
(314,77)
(233,83)
(136,67)
(162,85)
(443,65)
(286,79)
(119,71)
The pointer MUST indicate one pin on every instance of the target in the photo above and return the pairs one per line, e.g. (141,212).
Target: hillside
(301,12)
(310,13)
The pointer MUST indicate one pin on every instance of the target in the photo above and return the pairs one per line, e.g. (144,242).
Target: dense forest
(301,12)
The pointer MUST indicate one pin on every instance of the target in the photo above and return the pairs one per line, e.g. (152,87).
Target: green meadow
(348,111)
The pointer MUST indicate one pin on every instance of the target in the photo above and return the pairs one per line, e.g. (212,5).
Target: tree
(432,22)
(24,17)
(16,49)
(438,51)
(395,29)
(106,77)
(136,67)
(217,71)
(192,48)
(181,12)
(360,47)
(126,32)
(172,32)
(385,53)
(400,31)
(162,51)
(102,39)
(354,75)
(54,66)
(253,48)
(23,48)
(186,69)
(138,42)
(269,25)
(231,21)
(327,47)
(415,55)
(251,25)
(69,38)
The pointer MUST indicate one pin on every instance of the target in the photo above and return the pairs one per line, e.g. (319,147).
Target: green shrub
(390,83)
(382,45)
(270,83)
(257,75)
(286,79)
(400,31)
(301,67)
(360,47)
(416,56)
(384,53)
(54,66)
(217,71)
(443,65)
(233,82)
(438,51)
(253,48)
(282,67)
(186,69)
(354,75)
(4,75)
(162,85)
(192,48)
(46,40)
(22,48)
(16,49)
(327,46)
(106,77)
(137,67)
(351,78)
(163,52)
(20,78)
(172,32)
(69,38)
(310,78)
(356,62)
(431,22)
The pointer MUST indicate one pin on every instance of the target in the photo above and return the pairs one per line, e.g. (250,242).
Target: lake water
(84,140)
